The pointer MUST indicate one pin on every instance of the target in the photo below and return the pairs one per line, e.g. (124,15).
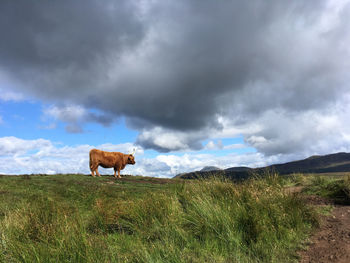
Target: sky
(188,84)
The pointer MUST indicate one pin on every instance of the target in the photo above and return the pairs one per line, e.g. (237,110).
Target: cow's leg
(93,168)
(119,173)
(98,174)
(115,172)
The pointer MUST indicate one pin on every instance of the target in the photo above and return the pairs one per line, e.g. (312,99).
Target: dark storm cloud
(178,65)
(60,48)
(49,35)
(75,117)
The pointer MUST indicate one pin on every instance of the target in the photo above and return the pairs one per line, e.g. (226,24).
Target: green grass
(335,188)
(296,179)
(76,218)
(325,210)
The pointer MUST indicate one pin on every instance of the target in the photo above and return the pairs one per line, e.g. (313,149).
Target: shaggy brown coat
(115,160)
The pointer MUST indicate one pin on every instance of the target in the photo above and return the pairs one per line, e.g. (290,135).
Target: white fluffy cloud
(307,133)
(194,162)
(164,140)
(7,95)
(16,146)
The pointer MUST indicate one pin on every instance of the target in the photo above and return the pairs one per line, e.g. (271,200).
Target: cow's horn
(133,152)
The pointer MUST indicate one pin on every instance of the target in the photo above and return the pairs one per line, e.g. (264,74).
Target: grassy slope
(336,188)
(83,219)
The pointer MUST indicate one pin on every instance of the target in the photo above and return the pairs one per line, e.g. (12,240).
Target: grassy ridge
(82,219)
(336,189)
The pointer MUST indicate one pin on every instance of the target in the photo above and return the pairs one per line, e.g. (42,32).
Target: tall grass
(198,221)
(333,188)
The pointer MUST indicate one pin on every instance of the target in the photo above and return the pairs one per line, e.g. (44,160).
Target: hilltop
(210,168)
(330,163)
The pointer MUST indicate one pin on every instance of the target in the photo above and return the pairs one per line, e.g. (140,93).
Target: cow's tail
(90,160)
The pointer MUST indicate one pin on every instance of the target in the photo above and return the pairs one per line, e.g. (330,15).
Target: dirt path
(331,242)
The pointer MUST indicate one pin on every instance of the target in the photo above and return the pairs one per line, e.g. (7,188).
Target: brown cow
(116,160)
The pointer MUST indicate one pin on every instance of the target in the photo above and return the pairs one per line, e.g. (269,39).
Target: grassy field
(77,218)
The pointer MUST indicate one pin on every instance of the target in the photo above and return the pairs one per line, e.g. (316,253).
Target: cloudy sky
(187,83)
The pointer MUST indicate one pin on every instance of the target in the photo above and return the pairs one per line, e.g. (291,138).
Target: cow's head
(131,159)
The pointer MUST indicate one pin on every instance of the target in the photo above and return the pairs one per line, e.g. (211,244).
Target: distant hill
(238,169)
(331,163)
(210,168)
(338,162)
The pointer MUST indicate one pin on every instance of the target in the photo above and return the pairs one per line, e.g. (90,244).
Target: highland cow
(115,160)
